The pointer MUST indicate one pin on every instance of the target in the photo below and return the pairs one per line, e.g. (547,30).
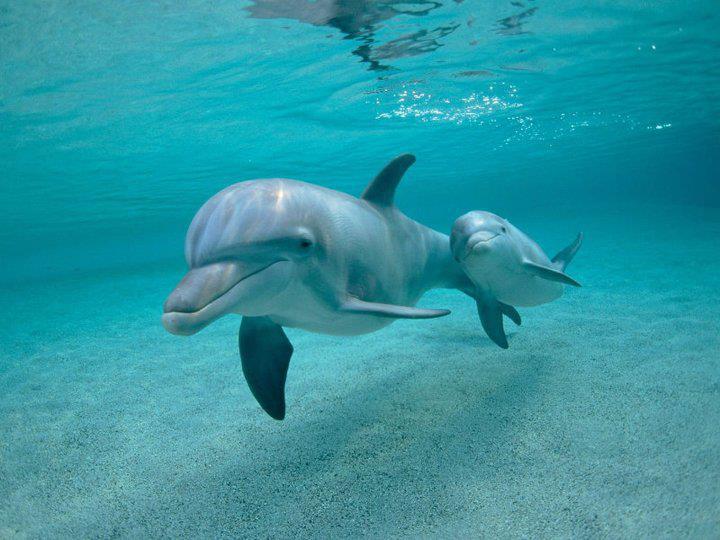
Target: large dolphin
(282,252)
(508,268)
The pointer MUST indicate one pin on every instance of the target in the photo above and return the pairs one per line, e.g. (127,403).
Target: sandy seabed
(601,420)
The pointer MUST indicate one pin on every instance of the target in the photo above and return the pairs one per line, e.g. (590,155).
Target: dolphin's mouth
(185,319)
(476,241)
(219,295)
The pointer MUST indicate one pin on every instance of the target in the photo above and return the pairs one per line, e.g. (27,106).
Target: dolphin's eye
(503,229)
(305,243)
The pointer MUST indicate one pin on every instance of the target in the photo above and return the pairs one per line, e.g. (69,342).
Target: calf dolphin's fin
(563,258)
(511,313)
(381,190)
(491,311)
(355,305)
(265,353)
(551,274)
(491,319)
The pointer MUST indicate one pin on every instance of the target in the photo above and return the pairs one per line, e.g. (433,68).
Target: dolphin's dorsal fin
(563,258)
(381,190)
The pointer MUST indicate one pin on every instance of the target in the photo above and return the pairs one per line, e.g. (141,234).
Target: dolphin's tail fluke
(563,258)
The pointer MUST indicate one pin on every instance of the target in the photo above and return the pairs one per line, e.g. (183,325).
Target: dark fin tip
(381,190)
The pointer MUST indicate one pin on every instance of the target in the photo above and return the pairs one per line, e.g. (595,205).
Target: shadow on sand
(394,449)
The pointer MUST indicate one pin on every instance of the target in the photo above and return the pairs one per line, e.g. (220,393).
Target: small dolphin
(508,268)
(282,252)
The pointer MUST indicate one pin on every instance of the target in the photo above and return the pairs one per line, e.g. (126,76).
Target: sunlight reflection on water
(430,107)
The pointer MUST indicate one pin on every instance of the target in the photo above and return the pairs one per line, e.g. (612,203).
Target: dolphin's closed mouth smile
(473,243)
(220,294)
(184,321)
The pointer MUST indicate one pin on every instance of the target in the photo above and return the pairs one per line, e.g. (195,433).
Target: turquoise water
(117,123)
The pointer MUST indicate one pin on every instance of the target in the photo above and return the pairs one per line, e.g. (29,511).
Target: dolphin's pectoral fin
(563,258)
(360,307)
(511,313)
(491,312)
(551,274)
(381,190)
(265,352)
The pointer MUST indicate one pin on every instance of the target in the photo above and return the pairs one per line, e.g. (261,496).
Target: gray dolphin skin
(285,253)
(507,268)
